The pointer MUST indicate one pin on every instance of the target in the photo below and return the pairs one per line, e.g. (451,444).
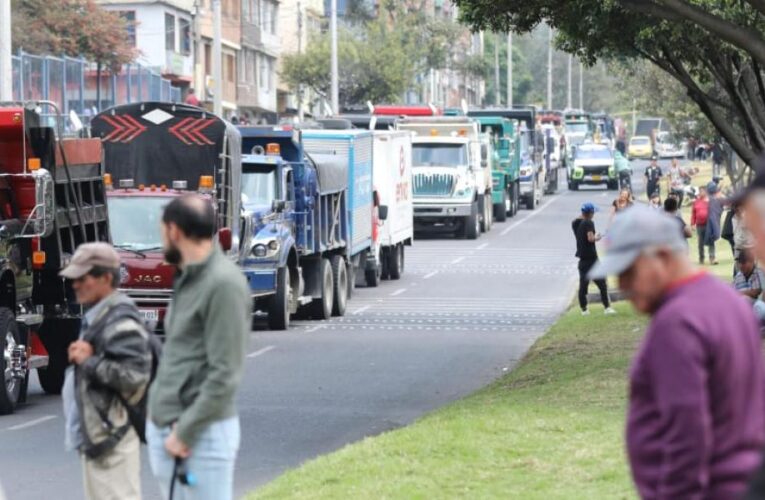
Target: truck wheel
(372,277)
(515,200)
(340,280)
(279,304)
(385,264)
(473,223)
(321,307)
(351,272)
(489,217)
(396,262)
(501,209)
(11,391)
(484,223)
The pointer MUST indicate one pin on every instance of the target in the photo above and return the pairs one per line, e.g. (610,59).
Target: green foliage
(714,48)
(378,59)
(76,28)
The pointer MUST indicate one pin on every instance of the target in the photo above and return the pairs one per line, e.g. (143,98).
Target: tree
(75,28)
(522,80)
(715,49)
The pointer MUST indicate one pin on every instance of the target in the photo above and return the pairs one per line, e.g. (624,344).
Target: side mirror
(224,238)
(278,206)
(382,212)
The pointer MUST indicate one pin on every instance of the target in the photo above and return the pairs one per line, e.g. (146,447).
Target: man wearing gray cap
(111,367)
(696,419)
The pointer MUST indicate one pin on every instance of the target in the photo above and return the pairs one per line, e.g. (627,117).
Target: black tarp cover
(333,172)
(157,143)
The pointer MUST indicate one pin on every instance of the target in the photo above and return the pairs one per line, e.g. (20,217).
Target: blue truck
(299,212)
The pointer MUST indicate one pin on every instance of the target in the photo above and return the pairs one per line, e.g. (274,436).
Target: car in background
(593,165)
(666,147)
(640,147)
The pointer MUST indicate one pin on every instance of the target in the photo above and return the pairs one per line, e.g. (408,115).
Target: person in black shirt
(653,175)
(584,230)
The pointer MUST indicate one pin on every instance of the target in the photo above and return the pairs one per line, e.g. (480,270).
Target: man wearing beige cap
(111,367)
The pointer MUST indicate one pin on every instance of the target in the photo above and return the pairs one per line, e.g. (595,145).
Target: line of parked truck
(307,211)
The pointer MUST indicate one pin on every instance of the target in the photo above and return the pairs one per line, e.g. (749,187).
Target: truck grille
(433,184)
(596,171)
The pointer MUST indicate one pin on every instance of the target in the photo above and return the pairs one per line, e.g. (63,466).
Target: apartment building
(261,47)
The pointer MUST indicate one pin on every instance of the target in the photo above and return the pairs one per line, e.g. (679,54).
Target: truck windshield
(259,185)
(593,154)
(439,154)
(134,221)
(577,128)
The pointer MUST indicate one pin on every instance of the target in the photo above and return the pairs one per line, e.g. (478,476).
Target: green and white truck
(507,164)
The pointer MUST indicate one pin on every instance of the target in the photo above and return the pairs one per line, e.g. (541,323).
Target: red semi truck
(51,200)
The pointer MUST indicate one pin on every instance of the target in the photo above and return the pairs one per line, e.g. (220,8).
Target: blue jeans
(211,461)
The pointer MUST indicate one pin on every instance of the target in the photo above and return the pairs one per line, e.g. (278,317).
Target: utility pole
(497,96)
(333,61)
(6,80)
(569,101)
(549,68)
(581,85)
(300,51)
(217,56)
(510,69)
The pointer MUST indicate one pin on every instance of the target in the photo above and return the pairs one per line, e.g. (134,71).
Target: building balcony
(178,64)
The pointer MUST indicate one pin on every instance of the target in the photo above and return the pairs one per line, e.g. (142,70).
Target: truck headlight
(265,250)
(526,171)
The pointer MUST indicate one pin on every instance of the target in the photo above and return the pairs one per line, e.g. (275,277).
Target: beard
(172,255)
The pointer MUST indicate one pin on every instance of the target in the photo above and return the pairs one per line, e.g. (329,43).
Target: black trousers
(584,284)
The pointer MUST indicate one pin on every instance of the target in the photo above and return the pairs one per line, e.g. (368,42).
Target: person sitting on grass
(748,282)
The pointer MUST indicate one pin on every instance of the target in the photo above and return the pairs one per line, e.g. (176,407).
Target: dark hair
(744,256)
(99,271)
(194,216)
(670,204)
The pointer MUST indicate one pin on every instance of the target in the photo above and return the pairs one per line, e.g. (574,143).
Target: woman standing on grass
(699,216)
(713,230)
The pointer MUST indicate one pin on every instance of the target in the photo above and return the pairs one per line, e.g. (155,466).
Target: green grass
(551,428)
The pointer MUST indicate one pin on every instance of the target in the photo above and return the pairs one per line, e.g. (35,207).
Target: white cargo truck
(450,187)
(392,184)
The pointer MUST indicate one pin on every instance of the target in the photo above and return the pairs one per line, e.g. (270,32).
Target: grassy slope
(552,428)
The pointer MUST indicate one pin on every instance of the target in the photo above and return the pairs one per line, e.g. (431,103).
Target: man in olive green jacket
(192,415)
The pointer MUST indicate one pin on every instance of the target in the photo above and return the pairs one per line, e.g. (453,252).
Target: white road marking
(430,275)
(533,214)
(360,310)
(261,351)
(31,423)
(458,260)
(398,292)
(315,328)
(481,247)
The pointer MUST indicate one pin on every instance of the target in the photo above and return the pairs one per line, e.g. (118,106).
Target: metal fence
(73,84)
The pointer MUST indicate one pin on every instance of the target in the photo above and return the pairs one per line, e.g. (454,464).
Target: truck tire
(12,390)
(321,307)
(279,304)
(488,210)
(473,223)
(340,281)
(351,271)
(372,277)
(515,199)
(501,209)
(531,200)
(396,262)
(484,224)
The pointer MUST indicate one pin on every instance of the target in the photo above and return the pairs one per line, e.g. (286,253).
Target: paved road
(463,313)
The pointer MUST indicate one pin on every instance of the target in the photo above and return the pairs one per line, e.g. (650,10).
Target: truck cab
(449,186)
(135,213)
(156,152)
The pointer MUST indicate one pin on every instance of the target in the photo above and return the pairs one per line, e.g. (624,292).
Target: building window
(208,59)
(170,32)
(185,31)
(265,72)
(129,17)
(269,17)
(230,68)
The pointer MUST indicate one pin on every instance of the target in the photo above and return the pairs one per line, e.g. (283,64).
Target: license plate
(596,177)
(150,314)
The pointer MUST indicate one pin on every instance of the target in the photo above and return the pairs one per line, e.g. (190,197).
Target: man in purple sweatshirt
(696,420)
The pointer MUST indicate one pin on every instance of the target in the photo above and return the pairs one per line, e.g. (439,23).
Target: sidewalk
(552,428)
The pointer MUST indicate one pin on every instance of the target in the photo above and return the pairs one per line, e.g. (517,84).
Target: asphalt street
(462,315)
